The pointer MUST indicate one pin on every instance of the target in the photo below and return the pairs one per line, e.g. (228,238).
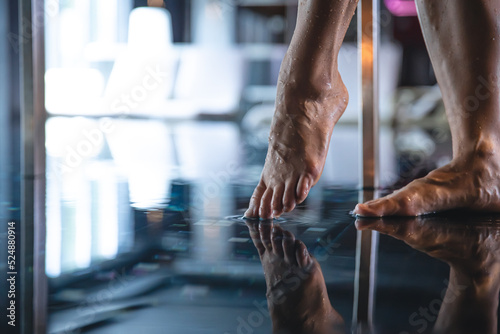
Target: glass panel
(10,170)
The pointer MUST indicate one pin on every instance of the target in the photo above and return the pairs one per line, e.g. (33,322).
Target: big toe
(378,208)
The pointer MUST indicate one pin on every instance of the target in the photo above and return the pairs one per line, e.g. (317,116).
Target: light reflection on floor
(163,202)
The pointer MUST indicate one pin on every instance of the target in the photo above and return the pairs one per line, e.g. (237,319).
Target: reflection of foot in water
(473,253)
(296,292)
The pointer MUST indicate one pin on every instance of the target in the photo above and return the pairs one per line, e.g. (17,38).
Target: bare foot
(298,143)
(296,292)
(471,180)
(472,183)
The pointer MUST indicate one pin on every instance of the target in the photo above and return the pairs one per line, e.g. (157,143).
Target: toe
(421,196)
(289,198)
(378,208)
(289,247)
(253,228)
(253,207)
(277,240)
(277,202)
(303,187)
(265,211)
(302,255)
(265,235)
(365,210)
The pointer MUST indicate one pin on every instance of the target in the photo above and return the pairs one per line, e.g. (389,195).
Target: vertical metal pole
(368,32)
(367,241)
(33,282)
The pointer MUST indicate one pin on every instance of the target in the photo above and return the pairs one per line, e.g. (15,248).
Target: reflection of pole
(367,241)
(364,281)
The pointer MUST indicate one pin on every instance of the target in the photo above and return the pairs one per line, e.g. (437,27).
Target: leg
(311,98)
(463,40)
(296,293)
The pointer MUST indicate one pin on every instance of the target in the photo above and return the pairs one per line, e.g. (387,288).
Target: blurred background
(149,98)
(158,114)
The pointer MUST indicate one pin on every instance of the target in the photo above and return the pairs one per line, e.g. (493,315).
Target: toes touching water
(298,144)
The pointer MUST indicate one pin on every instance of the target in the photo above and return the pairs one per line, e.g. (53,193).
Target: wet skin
(463,40)
(296,292)
(310,100)
(473,253)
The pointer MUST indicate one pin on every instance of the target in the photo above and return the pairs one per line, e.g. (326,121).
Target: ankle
(299,89)
(310,81)
(481,150)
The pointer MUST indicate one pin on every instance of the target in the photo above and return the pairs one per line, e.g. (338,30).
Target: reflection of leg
(470,304)
(296,293)
(311,98)
(471,301)
(463,39)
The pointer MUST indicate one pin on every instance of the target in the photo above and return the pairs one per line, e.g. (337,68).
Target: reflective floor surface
(163,248)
